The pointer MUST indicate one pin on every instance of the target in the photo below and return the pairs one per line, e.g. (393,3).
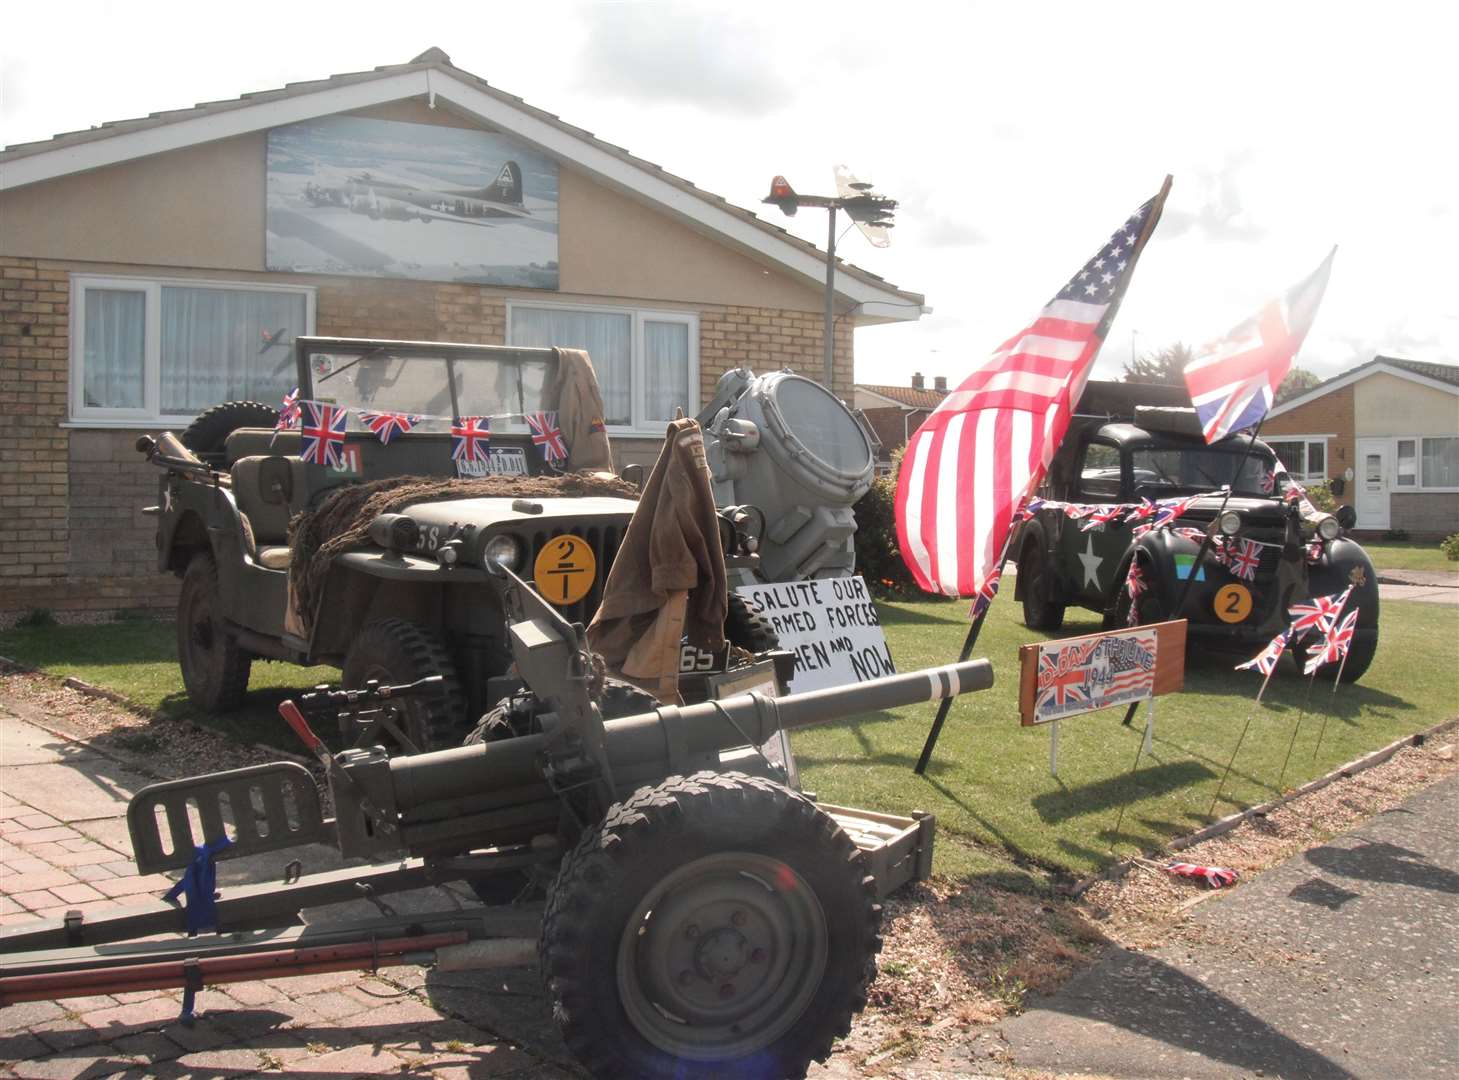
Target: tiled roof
(1448,373)
(437,59)
(908,396)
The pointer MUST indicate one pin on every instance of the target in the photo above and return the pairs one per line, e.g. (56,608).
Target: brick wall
(1330,414)
(1425,515)
(72,534)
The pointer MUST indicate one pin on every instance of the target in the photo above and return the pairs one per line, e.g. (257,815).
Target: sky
(1016,137)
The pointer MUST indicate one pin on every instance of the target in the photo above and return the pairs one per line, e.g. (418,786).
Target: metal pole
(830,342)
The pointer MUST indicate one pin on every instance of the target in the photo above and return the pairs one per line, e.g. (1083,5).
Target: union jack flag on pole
(387,425)
(1335,646)
(1266,660)
(546,434)
(985,447)
(471,438)
(322,436)
(1233,381)
(1319,614)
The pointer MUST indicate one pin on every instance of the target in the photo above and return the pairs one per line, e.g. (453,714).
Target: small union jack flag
(1314,552)
(1335,646)
(1102,516)
(1245,557)
(546,434)
(1134,585)
(987,592)
(1268,482)
(1217,877)
(1320,614)
(289,411)
(1266,660)
(1168,513)
(323,437)
(1030,508)
(1061,687)
(471,438)
(387,425)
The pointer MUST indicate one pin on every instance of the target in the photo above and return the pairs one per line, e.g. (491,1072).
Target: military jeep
(413,597)
(1158,453)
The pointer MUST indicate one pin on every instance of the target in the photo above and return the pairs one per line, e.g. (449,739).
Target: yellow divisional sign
(1233,603)
(565,569)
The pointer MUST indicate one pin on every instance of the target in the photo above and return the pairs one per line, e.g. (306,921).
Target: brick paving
(63,848)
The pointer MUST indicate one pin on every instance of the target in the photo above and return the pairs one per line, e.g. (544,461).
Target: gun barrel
(668,739)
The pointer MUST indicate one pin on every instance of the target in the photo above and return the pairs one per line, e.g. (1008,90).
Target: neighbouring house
(895,412)
(1385,436)
(154,267)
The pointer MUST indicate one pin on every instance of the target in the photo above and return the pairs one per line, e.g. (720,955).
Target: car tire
(618,699)
(396,651)
(207,436)
(215,667)
(1360,658)
(1039,610)
(746,628)
(733,863)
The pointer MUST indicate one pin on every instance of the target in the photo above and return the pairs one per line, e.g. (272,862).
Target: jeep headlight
(503,550)
(1229,523)
(1328,528)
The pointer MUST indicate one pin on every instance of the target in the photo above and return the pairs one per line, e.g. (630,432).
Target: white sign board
(830,625)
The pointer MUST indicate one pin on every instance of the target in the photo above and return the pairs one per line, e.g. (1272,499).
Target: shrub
(36,617)
(1322,498)
(1450,547)
(878,558)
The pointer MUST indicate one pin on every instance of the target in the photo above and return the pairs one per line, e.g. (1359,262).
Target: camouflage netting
(342,521)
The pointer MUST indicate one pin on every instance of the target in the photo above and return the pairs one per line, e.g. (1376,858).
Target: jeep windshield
(437,383)
(1192,469)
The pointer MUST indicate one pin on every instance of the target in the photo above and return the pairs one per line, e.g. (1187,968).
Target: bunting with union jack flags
(323,434)
(387,425)
(547,435)
(1233,381)
(985,447)
(470,438)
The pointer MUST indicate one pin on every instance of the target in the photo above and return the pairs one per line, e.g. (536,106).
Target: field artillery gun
(705,917)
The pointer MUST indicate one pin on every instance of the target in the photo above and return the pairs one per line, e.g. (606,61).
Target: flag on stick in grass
(1319,614)
(1233,381)
(983,450)
(1335,646)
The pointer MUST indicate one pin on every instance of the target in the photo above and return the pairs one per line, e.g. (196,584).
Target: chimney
(939,383)
(917,381)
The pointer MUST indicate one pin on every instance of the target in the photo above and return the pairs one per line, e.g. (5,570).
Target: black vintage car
(1157,453)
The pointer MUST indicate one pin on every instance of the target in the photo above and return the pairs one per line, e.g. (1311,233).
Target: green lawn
(989,782)
(1408,555)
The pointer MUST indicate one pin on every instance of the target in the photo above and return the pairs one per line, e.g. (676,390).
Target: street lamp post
(872,214)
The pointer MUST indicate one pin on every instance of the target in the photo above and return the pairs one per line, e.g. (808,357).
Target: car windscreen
(421,384)
(1192,468)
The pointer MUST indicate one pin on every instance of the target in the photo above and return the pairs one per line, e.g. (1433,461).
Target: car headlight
(504,551)
(1329,528)
(1229,523)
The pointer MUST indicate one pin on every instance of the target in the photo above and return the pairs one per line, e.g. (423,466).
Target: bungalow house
(894,412)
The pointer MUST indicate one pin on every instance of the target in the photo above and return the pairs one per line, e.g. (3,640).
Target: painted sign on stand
(1080,675)
(830,625)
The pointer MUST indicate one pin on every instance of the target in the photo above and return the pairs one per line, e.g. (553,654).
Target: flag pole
(1306,698)
(968,643)
(1323,730)
(1249,717)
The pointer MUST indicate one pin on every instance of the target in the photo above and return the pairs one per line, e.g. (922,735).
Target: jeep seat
(265,488)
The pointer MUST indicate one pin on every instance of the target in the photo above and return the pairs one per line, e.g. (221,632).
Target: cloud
(1220,213)
(663,56)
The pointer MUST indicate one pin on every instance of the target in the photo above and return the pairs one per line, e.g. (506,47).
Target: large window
(155,351)
(1305,456)
(647,361)
(1428,463)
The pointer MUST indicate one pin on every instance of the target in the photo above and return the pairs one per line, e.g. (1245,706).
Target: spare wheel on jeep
(214,666)
(398,651)
(745,627)
(207,436)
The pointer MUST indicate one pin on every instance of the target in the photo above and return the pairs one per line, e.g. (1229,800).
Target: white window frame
(638,425)
(92,416)
(1303,476)
(1418,465)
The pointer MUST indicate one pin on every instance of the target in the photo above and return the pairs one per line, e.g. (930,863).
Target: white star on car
(1091,563)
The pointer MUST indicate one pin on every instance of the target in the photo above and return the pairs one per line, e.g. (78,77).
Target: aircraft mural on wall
(401,196)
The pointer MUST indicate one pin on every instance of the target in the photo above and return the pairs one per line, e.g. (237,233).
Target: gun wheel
(710,923)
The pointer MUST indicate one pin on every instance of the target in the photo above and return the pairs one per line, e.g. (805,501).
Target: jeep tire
(207,436)
(1040,612)
(744,627)
(715,925)
(397,651)
(214,666)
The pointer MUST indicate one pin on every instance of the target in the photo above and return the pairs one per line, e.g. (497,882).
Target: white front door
(1371,493)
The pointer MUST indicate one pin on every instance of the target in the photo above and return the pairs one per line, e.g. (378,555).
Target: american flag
(1244,558)
(546,434)
(1335,646)
(1320,614)
(1266,660)
(387,425)
(322,436)
(470,438)
(987,444)
(1232,381)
